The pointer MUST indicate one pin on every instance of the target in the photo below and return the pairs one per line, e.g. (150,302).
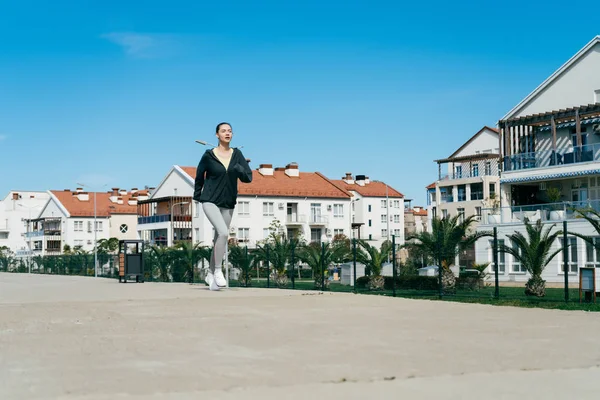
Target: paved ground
(86,338)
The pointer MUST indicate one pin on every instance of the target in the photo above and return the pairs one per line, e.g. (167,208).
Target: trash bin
(131,260)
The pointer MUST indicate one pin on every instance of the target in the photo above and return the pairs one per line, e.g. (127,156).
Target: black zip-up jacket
(215,184)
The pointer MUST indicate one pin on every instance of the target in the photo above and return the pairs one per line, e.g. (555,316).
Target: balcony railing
(546,212)
(154,219)
(551,158)
(34,234)
(296,219)
(318,220)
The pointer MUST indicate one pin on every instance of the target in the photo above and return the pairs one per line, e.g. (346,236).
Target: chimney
(348,178)
(79,190)
(83,196)
(119,200)
(134,190)
(123,192)
(360,180)
(367,181)
(265,169)
(132,201)
(115,191)
(15,196)
(292,170)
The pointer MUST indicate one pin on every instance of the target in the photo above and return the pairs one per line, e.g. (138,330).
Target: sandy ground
(86,338)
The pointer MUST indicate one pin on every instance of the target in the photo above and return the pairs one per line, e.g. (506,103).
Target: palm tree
(242,259)
(449,237)
(280,252)
(593,217)
(161,258)
(322,256)
(373,259)
(534,252)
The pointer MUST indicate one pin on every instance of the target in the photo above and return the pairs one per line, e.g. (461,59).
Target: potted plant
(556,210)
(493,204)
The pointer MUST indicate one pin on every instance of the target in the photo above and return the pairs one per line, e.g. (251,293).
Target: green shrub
(407,282)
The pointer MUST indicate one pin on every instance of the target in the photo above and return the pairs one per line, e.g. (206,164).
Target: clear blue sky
(116,92)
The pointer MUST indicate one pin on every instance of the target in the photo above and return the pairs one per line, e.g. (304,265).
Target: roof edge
(552,77)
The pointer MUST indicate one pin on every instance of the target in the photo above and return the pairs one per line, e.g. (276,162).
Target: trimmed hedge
(408,282)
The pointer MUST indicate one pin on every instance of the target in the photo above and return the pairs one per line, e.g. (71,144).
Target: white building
(377,209)
(550,151)
(15,209)
(306,204)
(67,218)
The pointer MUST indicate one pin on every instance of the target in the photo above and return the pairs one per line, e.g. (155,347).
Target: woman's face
(224,134)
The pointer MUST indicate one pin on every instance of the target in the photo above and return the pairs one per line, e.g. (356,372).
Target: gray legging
(220,218)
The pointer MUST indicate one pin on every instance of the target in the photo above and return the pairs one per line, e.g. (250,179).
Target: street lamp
(28,232)
(172,227)
(95,228)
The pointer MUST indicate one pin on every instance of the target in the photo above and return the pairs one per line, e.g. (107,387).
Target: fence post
(440,267)
(268,267)
(354,260)
(394,264)
(495,257)
(247,273)
(293,266)
(566,261)
(323,266)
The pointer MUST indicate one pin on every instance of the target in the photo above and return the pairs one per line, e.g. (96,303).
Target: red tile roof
(371,189)
(104,207)
(308,184)
(422,212)
(432,186)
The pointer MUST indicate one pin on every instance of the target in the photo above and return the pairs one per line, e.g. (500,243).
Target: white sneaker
(219,279)
(213,286)
(209,278)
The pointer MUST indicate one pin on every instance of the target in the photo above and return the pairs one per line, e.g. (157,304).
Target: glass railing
(551,158)
(318,219)
(296,219)
(34,234)
(154,219)
(545,212)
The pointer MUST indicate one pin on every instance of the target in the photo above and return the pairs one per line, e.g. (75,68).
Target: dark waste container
(131,260)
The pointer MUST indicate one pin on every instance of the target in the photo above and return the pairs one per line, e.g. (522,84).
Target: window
(243,234)
(244,208)
(268,209)
(383,204)
(99,226)
(370,236)
(592,253)
(478,211)
(477,191)
(369,208)
(458,172)
(444,214)
(397,218)
(397,232)
(370,223)
(123,228)
(516,265)
(462,192)
(461,214)
(315,235)
(571,254)
(78,226)
(315,212)
(383,218)
(488,167)
(266,233)
(476,170)
(501,257)
(338,211)
(78,243)
(584,139)
(396,203)
(197,206)
(197,232)
(492,189)
(384,233)
(337,232)
(597,96)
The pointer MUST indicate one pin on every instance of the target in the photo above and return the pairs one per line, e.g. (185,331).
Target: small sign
(587,284)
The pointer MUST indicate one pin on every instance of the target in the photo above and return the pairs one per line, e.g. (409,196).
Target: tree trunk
(448,281)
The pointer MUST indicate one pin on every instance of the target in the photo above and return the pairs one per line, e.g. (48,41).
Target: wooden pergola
(513,130)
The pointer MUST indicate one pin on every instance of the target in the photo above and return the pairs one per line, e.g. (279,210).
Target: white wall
(176,184)
(574,87)
(12,216)
(116,220)
(486,142)
(363,215)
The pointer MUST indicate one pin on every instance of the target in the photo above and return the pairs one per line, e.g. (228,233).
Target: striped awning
(570,124)
(544,177)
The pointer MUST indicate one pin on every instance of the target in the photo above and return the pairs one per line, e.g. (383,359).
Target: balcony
(549,212)
(318,220)
(154,219)
(33,234)
(550,158)
(295,220)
